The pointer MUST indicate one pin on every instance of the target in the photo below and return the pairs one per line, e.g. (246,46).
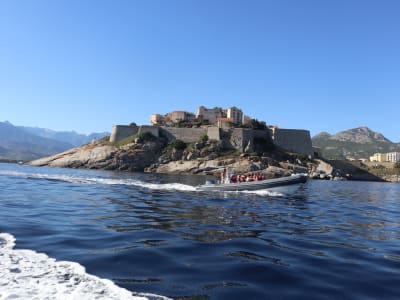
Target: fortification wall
(295,140)
(235,138)
(154,130)
(213,133)
(120,132)
(188,135)
(242,139)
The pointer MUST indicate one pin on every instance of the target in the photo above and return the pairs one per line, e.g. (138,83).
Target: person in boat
(223,175)
(247,177)
(234,178)
(226,176)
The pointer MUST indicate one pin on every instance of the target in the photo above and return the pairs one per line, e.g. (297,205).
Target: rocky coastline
(155,155)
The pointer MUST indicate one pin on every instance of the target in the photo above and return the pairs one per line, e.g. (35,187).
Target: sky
(320,65)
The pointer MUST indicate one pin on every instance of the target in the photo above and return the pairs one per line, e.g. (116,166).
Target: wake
(26,274)
(100,180)
(75,179)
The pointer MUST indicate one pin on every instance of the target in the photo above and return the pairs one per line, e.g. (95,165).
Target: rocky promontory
(157,155)
(151,154)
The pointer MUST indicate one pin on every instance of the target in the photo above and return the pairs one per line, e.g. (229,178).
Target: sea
(90,234)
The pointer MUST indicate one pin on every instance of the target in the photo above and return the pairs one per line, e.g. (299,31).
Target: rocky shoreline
(155,155)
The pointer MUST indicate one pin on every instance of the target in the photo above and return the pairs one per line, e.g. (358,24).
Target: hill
(28,143)
(356,143)
(18,144)
(70,137)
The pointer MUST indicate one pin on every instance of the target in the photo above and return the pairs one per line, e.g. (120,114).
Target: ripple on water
(329,240)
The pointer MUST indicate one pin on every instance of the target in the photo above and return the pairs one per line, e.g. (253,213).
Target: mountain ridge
(72,137)
(20,143)
(359,142)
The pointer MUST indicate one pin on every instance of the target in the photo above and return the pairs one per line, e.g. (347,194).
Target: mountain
(18,144)
(29,143)
(357,143)
(70,137)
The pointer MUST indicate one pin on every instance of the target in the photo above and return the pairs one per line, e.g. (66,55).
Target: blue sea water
(155,234)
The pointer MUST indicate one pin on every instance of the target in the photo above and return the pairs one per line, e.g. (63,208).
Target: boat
(276,184)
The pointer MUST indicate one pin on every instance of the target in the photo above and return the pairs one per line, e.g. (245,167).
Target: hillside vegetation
(355,143)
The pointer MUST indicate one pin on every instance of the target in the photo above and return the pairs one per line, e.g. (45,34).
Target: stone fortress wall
(119,132)
(188,135)
(295,140)
(242,139)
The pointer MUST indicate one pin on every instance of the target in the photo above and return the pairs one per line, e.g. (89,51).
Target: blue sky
(315,64)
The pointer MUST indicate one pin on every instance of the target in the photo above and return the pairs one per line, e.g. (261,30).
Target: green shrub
(177,144)
(125,141)
(146,137)
(203,138)
(143,137)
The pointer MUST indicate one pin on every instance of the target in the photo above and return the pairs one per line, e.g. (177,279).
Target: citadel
(230,126)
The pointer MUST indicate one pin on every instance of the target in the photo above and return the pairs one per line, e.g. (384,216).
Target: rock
(249,147)
(100,156)
(213,155)
(198,146)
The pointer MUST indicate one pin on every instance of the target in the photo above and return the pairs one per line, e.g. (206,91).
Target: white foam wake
(26,274)
(265,193)
(100,180)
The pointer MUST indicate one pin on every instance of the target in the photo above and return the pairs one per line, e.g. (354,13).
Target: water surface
(155,234)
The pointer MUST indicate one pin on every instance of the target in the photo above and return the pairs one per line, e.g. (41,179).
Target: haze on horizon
(87,65)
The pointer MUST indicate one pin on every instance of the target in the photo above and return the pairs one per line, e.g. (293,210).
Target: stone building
(210,114)
(224,122)
(157,119)
(178,115)
(235,114)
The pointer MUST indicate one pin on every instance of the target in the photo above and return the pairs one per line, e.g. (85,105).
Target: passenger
(223,173)
(233,179)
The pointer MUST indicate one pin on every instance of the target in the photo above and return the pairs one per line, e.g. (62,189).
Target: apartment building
(210,114)
(235,114)
(393,156)
(378,157)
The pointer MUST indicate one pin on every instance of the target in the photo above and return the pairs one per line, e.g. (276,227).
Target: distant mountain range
(28,143)
(71,137)
(356,143)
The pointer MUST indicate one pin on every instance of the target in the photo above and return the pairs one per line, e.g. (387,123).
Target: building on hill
(224,122)
(207,116)
(157,119)
(178,116)
(235,114)
(211,115)
(246,119)
(378,157)
(393,156)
